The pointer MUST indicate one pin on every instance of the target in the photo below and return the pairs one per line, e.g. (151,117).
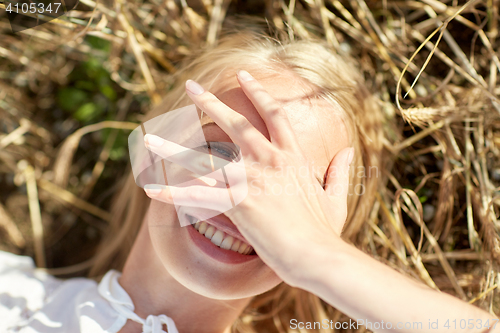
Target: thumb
(337,180)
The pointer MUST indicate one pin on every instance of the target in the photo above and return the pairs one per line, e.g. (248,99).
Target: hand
(286,213)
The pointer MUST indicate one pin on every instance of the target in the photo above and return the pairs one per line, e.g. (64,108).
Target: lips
(220,222)
(220,252)
(221,239)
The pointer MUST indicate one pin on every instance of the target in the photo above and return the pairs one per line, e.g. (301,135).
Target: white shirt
(32,301)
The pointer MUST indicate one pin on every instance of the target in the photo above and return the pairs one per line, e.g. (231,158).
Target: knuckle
(278,159)
(240,123)
(195,194)
(204,164)
(278,112)
(254,172)
(207,103)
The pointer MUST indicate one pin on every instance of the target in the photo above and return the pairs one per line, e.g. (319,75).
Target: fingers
(239,129)
(159,192)
(337,182)
(270,110)
(199,162)
(213,198)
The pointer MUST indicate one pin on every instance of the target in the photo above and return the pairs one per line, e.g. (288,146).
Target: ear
(337,184)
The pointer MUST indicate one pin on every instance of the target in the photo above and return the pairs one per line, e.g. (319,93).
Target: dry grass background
(72,89)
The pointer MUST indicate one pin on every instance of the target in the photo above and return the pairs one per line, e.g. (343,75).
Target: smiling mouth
(220,238)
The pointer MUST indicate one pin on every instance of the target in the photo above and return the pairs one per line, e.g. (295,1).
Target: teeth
(217,237)
(236,246)
(203,228)
(243,248)
(220,238)
(227,242)
(210,232)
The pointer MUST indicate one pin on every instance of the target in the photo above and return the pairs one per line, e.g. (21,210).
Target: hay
(432,63)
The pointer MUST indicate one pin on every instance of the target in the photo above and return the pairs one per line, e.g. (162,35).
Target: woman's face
(188,255)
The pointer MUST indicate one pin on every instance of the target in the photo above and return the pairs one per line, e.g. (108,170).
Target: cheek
(162,215)
(164,229)
(196,272)
(165,233)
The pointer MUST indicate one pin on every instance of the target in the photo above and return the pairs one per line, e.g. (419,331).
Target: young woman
(295,106)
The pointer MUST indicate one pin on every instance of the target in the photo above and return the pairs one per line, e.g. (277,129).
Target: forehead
(316,123)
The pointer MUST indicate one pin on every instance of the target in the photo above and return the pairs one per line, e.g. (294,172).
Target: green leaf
(70,99)
(85,85)
(117,153)
(86,112)
(107,91)
(98,43)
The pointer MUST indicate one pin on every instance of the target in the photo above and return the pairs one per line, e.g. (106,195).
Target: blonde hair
(336,80)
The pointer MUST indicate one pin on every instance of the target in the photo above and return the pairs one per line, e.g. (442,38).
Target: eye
(226,150)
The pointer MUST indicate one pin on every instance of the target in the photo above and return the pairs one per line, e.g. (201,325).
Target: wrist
(315,260)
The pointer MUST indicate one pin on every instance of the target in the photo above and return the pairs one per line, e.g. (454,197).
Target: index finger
(235,125)
(203,163)
(273,114)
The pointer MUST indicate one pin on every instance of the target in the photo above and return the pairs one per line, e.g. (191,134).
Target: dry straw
(433,64)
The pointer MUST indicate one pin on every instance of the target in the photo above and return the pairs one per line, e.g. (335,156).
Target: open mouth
(220,238)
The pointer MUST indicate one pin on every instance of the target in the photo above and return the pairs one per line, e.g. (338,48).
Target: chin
(224,285)
(198,264)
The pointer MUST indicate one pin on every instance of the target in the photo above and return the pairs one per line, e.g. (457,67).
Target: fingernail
(153,140)
(152,189)
(350,156)
(244,75)
(194,88)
